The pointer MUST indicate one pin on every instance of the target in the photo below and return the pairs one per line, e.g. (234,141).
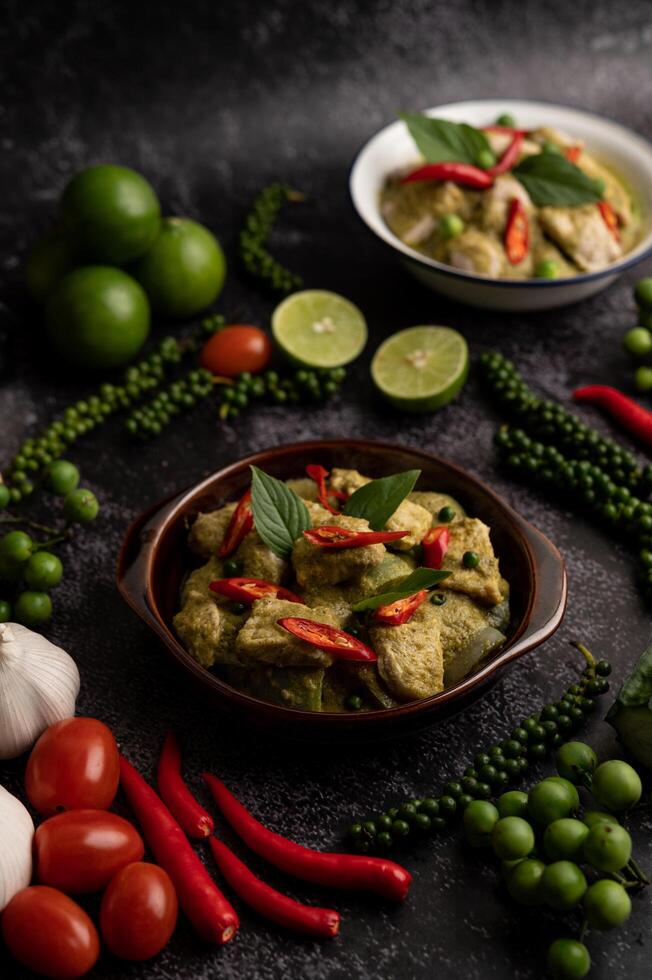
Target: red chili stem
(347,871)
(250,589)
(272,905)
(320,476)
(324,637)
(210,913)
(241,523)
(460,173)
(183,806)
(629,414)
(332,536)
(509,157)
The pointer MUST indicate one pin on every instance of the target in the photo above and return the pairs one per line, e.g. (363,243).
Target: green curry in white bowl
(334,592)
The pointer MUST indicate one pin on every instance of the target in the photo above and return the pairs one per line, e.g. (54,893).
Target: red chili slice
(435,545)
(320,476)
(610,219)
(460,173)
(401,611)
(331,536)
(509,157)
(250,589)
(240,525)
(341,644)
(573,153)
(517,233)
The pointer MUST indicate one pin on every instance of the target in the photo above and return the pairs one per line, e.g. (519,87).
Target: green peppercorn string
(256,258)
(492,770)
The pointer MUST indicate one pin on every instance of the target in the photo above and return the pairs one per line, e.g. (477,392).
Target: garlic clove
(39,684)
(16,833)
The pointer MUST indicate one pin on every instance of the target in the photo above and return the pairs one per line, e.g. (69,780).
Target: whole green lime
(47,263)
(97,317)
(184,270)
(112,213)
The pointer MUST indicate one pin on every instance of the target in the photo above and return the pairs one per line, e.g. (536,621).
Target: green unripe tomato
(643,378)
(643,293)
(638,342)
(524,880)
(606,904)
(451,225)
(546,269)
(568,959)
(608,847)
(61,476)
(80,506)
(5,496)
(16,547)
(563,839)
(5,611)
(616,785)
(592,817)
(549,801)
(512,838)
(574,760)
(562,885)
(512,804)
(479,819)
(33,608)
(43,571)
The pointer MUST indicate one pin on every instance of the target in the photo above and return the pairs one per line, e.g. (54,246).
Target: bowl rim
(168,511)
(638,254)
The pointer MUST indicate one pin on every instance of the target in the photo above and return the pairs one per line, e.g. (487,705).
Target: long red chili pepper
(460,173)
(633,417)
(573,153)
(241,523)
(348,871)
(250,589)
(208,910)
(610,219)
(509,157)
(517,232)
(435,545)
(320,476)
(183,806)
(401,611)
(272,905)
(324,637)
(332,536)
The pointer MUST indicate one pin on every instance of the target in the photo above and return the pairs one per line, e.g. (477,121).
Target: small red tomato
(73,766)
(237,348)
(139,912)
(81,850)
(49,933)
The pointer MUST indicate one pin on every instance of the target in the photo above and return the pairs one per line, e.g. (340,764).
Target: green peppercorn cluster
(585,486)
(254,237)
(491,771)
(301,386)
(149,420)
(554,425)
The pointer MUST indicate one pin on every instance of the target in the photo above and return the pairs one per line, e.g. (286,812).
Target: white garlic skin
(16,833)
(39,684)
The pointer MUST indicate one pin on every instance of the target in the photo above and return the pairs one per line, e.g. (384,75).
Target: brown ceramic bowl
(154,558)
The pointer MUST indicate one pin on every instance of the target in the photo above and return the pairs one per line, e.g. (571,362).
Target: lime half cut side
(319,329)
(422,368)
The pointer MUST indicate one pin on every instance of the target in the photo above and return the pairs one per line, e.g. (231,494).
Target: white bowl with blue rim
(627,153)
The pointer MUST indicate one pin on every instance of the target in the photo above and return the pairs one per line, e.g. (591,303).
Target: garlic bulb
(16,832)
(39,684)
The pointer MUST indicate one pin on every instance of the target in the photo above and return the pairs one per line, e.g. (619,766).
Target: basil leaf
(280,517)
(377,500)
(438,139)
(637,689)
(631,712)
(420,578)
(551,179)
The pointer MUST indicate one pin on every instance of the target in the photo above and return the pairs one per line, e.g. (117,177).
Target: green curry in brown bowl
(336,592)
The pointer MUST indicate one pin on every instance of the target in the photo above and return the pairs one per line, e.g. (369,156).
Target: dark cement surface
(212,101)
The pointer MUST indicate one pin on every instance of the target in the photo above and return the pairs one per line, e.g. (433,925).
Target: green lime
(112,213)
(422,368)
(319,329)
(183,271)
(47,263)
(98,317)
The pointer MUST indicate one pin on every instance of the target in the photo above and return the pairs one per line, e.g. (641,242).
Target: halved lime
(319,329)
(421,368)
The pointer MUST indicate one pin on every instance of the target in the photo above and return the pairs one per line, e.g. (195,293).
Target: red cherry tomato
(49,933)
(73,766)
(237,348)
(139,912)
(80,851)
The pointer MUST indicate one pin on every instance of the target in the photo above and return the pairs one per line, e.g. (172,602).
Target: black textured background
(211,101)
